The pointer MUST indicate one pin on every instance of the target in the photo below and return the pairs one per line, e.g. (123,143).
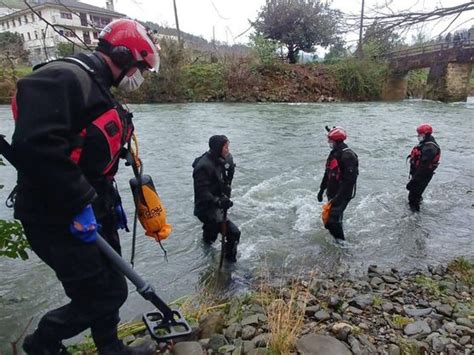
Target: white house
(79,22)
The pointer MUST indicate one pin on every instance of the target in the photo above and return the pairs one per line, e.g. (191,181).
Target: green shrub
(359,79)
(417,82)
(13,243)
(204,82)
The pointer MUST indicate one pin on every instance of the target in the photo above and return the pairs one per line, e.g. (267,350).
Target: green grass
(407,347)
(429,284)
(400,321)
(377,301)
(464,269)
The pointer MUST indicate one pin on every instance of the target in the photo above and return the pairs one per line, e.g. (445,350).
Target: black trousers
(210,231)
(417,188)
(95,288)
(334,224)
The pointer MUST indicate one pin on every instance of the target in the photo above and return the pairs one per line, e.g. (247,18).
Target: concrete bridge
(450,70)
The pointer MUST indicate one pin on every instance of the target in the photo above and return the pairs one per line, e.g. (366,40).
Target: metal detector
(163,324)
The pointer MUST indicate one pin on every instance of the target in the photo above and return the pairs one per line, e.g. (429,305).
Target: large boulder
(188,348)
(315,344)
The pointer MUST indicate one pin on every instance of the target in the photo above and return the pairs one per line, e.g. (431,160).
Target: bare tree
(389,20)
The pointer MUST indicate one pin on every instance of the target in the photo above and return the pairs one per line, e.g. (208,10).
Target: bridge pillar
(395,86)
(448,82)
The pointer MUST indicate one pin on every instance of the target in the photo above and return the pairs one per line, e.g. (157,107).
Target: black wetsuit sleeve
(202,185)
(49,104)
(324,181)
(349,171)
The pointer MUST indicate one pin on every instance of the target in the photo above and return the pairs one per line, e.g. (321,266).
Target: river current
(280,152)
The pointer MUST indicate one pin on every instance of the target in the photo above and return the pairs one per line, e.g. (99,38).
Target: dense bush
(204,82)
(359,80)
(13,243)
(417,82)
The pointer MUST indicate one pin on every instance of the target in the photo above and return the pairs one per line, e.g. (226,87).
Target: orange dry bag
(326,212)
(150,211)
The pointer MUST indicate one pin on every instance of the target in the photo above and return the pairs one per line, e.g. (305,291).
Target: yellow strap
(135,151)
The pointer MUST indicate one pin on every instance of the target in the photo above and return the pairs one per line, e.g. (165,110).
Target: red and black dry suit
(424,159)
(212,177)
(340,177)
(68,137)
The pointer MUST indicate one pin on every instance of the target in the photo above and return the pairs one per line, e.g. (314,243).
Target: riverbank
(249,81)
(383,312)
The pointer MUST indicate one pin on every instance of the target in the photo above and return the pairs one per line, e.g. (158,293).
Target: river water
(280,151)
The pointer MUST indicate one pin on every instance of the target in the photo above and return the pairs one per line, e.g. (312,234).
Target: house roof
(72,4)
(82,6)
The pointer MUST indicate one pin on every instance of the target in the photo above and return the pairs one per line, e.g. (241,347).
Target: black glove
(410,185)
(320,195)
(225,203)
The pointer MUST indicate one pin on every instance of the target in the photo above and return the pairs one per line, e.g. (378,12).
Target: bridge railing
(431,48)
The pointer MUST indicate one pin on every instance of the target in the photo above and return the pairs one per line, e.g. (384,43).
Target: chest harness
(415,156)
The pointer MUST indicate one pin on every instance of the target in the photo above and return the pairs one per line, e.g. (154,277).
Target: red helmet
(424,128)
(129,44)
(337,134)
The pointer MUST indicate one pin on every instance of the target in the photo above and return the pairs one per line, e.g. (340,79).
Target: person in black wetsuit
(339,180)
(424,159)
(213,173)
(69,135)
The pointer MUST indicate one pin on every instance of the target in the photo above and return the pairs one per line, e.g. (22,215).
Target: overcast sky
(229,18)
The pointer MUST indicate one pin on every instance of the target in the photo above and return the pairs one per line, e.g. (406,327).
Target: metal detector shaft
(6,150)
(224,233)
(143,287)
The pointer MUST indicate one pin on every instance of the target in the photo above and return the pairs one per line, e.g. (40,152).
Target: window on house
(26,19)
(13,23)
(43,34)
(8,24)
(39,12)
(19,21)
(83,18)
(87,37)
(69,34)
(23,37)
(29,36)
(96,35)
(66,15)
(36,34)
(100,21)
(32,17)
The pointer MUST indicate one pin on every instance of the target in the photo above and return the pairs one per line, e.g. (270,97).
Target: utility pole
(360,52)
(177,22)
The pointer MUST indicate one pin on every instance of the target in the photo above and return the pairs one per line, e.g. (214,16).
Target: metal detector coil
(165,323)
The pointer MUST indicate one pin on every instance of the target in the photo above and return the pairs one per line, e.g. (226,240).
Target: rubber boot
(32,345)
(230,251)
(118,348)
(414,206)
